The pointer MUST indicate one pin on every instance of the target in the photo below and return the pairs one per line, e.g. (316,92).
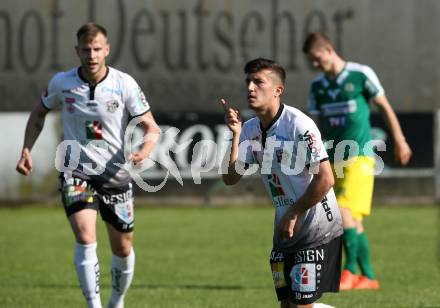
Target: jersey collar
(339,78)
(274,120)
(80,75)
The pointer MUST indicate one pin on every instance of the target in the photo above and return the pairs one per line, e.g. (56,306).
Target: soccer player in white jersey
(285,146)
(340,96)
(96,102)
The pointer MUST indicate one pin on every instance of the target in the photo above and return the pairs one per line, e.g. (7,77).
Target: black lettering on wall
(339,17)
(277,19)
(23,35)
(55,14)
(169,36)
(201,41)
(92,10)
(314,22)
(223,35)
(246,44)
(119,42)
(143,26)
(7,40)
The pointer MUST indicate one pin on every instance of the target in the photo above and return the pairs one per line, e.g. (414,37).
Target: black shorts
(114,204)
(303,276)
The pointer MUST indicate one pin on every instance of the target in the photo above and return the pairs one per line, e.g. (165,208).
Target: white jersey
(95,118)
(286,153)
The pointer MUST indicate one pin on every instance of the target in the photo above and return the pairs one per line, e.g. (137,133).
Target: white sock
(87,268)
(321,305)
(122,275)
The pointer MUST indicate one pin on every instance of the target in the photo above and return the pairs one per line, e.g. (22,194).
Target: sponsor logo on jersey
(312,143)
(92,106)
(112,106)
(118,198)
(326,207)
(276,256)
(124,211)
(275,185)
(69,101)
(94,130)
(333,93)
(339,108)
(77,191)
(309,255)
(278,195)
(303,277)
(69,104)
(349,87)
(76,91)
(113,91)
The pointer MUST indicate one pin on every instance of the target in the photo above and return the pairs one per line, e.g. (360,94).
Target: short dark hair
(90,30)
(260,64)
(315,39)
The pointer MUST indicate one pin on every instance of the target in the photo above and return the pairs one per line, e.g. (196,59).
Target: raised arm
(402,151)
(34,127)
(233,121)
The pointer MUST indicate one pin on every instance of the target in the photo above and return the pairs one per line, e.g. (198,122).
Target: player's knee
(122,250)
(85,238)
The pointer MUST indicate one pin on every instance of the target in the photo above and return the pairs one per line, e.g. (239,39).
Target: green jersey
(343,105)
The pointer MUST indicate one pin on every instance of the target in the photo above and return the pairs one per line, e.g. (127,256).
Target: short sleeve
(50,98)
(135,100)
(308,136)
(372,86)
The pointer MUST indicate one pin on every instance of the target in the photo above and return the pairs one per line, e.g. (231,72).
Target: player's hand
(289,224)
(24,165)
(402,153)
(232,118)
(137,158)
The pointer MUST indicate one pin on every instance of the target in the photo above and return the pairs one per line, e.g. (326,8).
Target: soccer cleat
(348,280)
(365,283)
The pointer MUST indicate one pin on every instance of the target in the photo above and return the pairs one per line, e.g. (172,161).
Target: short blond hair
(316,39)
(90,30)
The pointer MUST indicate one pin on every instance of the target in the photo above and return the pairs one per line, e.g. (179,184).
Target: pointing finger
(224,105)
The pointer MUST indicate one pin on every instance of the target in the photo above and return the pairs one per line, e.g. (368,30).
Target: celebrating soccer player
(96,103)
(341,96)
(307,245)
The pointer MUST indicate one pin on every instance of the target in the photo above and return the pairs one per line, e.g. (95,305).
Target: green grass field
(208,258)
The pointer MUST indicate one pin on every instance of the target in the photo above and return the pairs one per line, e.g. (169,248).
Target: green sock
(363,256)
(350,239)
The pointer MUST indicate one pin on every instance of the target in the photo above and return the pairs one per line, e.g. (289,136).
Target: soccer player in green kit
(340,96)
